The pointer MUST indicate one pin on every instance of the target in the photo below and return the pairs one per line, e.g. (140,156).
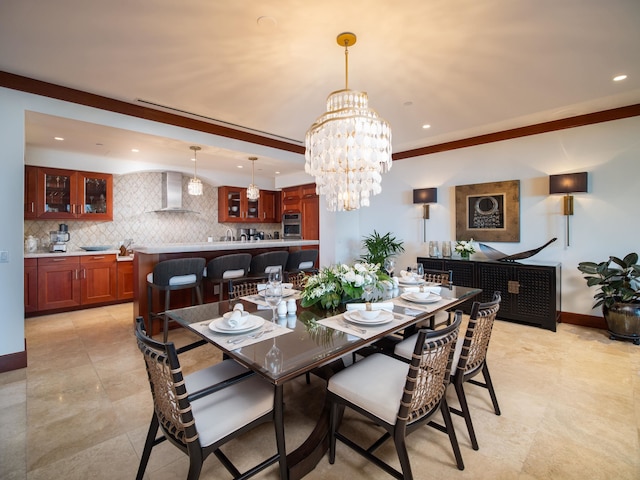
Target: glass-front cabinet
(234,206)
(66,194)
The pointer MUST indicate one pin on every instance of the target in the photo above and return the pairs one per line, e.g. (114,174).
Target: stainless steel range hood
(172,193)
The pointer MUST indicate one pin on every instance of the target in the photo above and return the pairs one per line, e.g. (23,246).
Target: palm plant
(380,247)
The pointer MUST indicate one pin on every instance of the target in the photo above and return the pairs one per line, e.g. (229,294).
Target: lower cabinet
(530,291)
(69,282)
(125,280)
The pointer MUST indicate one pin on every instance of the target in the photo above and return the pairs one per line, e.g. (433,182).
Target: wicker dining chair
(470,358)
(200,412)
(243,287)
(397,396)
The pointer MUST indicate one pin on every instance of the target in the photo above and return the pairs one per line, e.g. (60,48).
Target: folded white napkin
(236,318)
(262,286)
(374,306)
(424,289)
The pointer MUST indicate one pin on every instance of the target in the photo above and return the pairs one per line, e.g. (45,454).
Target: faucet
(228,235)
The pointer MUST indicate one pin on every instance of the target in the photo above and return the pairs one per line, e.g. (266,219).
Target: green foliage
(619,283)
(380,247)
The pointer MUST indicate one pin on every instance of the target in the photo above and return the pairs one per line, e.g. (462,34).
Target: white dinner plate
(220,325)
(432,298)
(415,281)
(354,317)
(286,292)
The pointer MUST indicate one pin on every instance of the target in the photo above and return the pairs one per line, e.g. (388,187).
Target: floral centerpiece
(464,248)
(340,283)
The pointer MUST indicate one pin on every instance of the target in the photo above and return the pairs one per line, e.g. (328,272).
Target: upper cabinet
(235,207)
(59,194)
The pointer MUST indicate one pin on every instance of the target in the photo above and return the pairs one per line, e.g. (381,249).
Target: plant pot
(623,320)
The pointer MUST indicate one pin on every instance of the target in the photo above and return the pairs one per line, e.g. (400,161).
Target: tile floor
(570,409)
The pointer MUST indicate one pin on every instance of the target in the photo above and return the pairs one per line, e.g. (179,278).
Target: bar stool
(176,274)
(226,267)
(302,261)
(263,263)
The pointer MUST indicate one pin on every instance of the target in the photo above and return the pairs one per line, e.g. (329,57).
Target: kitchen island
(147,256)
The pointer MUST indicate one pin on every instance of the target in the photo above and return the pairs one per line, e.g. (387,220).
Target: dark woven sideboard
(530,290)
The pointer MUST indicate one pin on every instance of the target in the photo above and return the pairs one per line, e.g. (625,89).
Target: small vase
(464,255)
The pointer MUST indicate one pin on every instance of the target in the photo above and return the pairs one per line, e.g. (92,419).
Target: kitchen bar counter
(147,256)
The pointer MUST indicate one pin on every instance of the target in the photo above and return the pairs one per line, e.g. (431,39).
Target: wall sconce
(568,183)
(425,196)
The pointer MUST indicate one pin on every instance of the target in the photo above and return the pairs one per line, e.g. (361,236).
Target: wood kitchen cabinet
(60,194)
(291,200)
(304,200)
(30,285)
(71,281)
(530,290)
(125,280)
(235,207)
(58,282)
(98,275)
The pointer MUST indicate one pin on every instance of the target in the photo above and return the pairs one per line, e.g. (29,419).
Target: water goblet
(275,276)
(419,270)
(368,291)
(389,265)
(273,297)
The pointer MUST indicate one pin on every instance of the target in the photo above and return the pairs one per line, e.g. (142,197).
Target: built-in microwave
(292,225)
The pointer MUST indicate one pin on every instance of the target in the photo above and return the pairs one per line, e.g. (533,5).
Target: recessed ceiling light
(619,78)
(240,166)
(60,139)
(426,125)
(277,173)
(135,150)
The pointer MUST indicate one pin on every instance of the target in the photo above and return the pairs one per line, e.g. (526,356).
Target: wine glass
(419,270)
(273,297)
(389,265)
(368,291)
(273,360)
(275,276)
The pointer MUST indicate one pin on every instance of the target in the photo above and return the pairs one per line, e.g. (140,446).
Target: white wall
(605,220)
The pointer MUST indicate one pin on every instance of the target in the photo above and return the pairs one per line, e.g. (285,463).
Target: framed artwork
(488,212)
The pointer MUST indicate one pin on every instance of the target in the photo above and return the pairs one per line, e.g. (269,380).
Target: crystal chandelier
(195,185)
(253,192)
(348,147)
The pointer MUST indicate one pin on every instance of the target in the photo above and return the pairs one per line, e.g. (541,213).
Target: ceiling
(465,67)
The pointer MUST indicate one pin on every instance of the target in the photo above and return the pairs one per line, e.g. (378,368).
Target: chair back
(170,402)
(444,277)
(429,371)
(302,260)
(261,263)
(165,270)
(243,288)
(297,280)
(478,335)
(221,267)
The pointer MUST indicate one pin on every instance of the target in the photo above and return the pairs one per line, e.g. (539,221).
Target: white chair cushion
(233,273)
(375,384)
(221,413)
(405,348)
(177,280)
(214,374)
(272,268)
(304,265)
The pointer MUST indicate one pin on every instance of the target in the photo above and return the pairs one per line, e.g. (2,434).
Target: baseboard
(590,321)
(14,361)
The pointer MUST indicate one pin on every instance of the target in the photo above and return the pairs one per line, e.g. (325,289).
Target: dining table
(307,340)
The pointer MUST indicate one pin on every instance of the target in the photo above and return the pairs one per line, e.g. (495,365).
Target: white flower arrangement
(340,282)
(465,248)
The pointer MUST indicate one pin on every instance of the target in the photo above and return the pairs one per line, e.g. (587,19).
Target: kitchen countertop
(79,253)
(221,245)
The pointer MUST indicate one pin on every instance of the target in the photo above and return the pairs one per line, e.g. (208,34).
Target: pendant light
(348,147)
(253,192)
(195,185)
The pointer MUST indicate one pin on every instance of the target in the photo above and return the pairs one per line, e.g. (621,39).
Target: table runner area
(222,339)
(338,322)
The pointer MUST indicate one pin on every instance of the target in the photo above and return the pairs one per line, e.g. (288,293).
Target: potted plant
(618,293)
(379,248)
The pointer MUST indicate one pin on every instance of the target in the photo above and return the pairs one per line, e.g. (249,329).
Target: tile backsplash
(135,197)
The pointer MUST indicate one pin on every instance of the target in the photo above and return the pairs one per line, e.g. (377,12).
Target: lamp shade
(568,183)
(425,195)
